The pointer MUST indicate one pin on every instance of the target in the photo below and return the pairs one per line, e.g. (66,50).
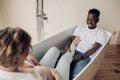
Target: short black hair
(94,11)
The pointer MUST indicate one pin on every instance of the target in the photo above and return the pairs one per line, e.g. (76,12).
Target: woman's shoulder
(43,72)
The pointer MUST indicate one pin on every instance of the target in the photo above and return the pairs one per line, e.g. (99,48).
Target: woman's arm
(55,74)
(32,59)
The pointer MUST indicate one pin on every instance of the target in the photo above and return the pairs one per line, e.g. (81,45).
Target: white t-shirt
(38,75)
(88,37)
(4,75)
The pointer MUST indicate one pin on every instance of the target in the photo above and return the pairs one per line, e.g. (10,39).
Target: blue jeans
(78,66)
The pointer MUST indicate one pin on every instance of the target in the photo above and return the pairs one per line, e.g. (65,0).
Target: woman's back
(5,75)
(40,73)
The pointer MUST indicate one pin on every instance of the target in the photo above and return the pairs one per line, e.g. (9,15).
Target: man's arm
(74,39)
(89,52)
(94,48)
(67,46)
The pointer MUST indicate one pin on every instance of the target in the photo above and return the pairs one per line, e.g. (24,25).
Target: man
(89,39)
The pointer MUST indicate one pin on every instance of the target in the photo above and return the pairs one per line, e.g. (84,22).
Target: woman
(15,45)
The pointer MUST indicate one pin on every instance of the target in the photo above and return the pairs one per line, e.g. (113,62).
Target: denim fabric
(78,66)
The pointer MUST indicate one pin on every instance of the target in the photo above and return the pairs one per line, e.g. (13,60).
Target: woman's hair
(13,42)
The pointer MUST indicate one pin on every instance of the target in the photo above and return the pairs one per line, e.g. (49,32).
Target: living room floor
(110,68)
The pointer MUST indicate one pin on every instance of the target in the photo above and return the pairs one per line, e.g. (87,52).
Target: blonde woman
(15,44)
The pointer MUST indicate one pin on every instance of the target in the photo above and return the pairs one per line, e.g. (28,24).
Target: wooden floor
(110,68)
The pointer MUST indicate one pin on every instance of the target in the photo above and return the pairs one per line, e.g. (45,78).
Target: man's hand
(67,47)
(32,59)
(77,58)
(65,50)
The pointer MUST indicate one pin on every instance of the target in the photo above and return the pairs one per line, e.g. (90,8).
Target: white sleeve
(102,37)
(77,31)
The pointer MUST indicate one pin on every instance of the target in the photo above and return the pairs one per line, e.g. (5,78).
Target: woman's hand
(32,59)
(55,74)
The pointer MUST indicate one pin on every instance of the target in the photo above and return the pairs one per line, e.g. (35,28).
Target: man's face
(92,20)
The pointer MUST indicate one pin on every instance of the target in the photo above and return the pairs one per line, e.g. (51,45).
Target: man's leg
(78,66)
(63,66)
(50,58)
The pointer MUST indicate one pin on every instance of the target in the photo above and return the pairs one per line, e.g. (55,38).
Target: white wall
(63,14)
(0,21)
(0,15)
(20,13)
